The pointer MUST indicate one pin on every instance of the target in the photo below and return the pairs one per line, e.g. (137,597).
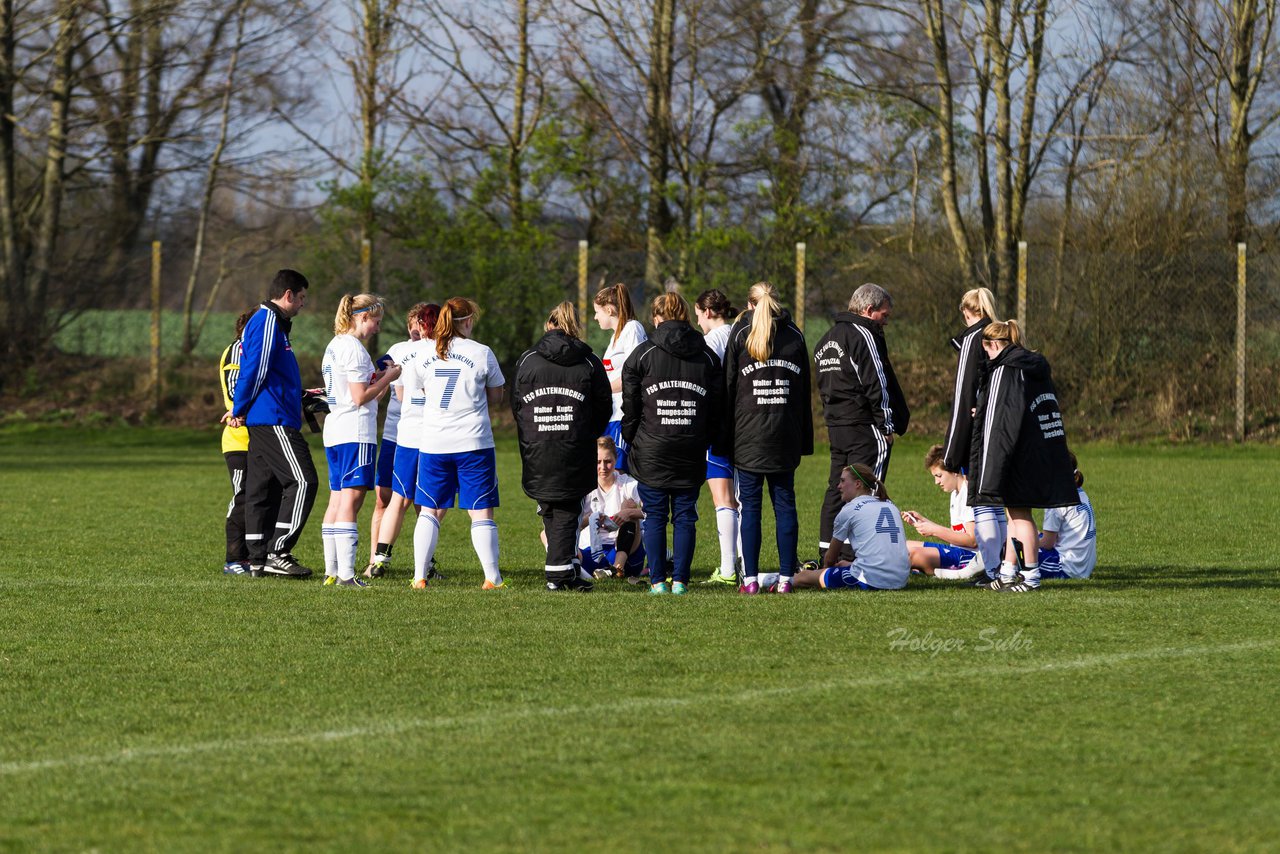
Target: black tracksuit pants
(279,464)
(858,443)
(560,522)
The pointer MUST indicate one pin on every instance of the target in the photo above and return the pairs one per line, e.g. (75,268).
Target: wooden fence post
(583,257)
(155,327)
(800,271)
(1241,277)
(1022,285)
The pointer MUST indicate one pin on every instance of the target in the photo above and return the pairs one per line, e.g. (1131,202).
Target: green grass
(150,703)
(127,332)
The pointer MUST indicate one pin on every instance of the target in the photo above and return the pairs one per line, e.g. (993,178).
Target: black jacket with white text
(856,381)
(769,422)
(971,363)
(671,406)
(562,402)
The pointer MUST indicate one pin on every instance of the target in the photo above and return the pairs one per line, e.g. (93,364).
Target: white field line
(488,718)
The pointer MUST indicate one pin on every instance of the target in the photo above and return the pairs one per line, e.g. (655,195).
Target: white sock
(330,551)
(426,533)
(768,579)
(1008,571)
(990,529)
(346,540)
(959,573)
(727,528)
(484,539)
(1032,573)
(748,579)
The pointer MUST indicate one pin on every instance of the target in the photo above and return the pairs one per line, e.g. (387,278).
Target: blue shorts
(350,466)
(386,459)
(1051,565)
(635,561)
(843,578)
(718,467)
(950,557)
(404,473)
(614,431)
(471,475)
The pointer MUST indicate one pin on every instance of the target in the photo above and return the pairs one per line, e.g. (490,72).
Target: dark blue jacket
(269,390)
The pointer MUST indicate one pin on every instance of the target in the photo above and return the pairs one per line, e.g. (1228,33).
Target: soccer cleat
(489,585)
(679,588)
(810,566)
(433,571)
(235,567)
(749,589)
(783,586)
(603,573)
(351,582)
(1017,586)
(284,565)
(330,580)
(377,569)
(717,578)
(659,589)
(999,583)
(419,584)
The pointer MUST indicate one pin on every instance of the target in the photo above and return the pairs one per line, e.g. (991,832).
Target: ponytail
(1003,330)
(565,318)
(456,310)
(669,306)
(979,301)
(764,299)
(713,302)
(1075,470)
(874,485)
(618,298)
(349,306)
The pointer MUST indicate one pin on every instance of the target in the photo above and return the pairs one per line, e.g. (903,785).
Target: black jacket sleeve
(806,406)
(1005,394)
(632,405)
(601,396)
(722,445)
(969,367)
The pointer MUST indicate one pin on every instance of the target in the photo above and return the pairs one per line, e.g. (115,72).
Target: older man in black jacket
(861,399)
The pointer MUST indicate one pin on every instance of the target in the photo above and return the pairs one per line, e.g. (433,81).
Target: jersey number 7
(451,376)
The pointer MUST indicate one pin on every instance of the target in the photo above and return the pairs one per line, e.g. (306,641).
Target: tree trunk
(659,141)
(937,30)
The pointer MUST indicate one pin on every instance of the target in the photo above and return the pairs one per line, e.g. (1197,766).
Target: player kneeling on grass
(954,558)
(1069,541)
(352,387)
(871,525)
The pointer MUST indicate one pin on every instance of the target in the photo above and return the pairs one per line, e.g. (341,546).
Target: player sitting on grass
(954,558)
(870,524)
(609,543)
(1069,538)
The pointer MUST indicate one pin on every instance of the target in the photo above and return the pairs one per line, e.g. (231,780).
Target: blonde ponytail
(1003,330)
(669,306)
(764,299)
(979,301)
(565,318)
(349,306)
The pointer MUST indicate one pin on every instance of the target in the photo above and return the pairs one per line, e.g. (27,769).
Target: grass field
(152,704)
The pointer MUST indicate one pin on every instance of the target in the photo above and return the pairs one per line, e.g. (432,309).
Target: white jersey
(409,429)
(455,413)
(1077,536)
(390,425)
(873,529)
(346,361)
(609,502)
(615,355)
(718,339)
(961,512)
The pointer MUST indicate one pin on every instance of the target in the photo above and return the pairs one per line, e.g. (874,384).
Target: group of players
(615,448)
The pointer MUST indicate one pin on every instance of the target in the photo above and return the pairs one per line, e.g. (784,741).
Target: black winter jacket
(562,402)
(971,364)
(672,402)
(769,417)
(856,380)
(1019,454)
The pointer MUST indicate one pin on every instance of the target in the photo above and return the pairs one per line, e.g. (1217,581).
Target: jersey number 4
(450,376)
(887,524)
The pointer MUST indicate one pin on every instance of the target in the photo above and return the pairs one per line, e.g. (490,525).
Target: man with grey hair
(861,399)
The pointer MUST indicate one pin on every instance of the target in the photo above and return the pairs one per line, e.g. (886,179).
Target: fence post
(800,261)
(366,265)
(1022,285)
(1241,276)
(583,257)
(155,327)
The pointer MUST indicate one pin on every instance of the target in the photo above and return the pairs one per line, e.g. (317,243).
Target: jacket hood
(1016,356)
(679,339)
(562,349)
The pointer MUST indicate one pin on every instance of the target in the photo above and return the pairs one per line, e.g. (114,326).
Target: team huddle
(615,448)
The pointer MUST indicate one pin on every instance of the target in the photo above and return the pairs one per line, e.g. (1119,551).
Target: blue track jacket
(269,390)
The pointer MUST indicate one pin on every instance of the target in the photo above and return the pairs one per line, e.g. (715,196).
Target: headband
(356,311)
(859,476)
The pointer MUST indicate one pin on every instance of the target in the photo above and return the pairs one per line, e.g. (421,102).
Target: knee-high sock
(990,529)
(346,539)
(484,539)
(330,551)
(727,528)
(426,533)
